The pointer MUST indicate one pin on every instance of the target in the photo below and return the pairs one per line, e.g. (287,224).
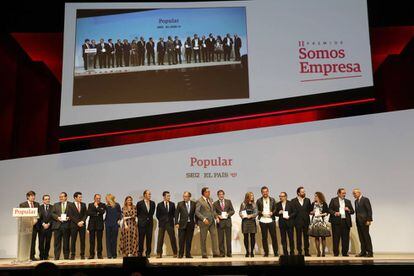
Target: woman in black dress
(248,213)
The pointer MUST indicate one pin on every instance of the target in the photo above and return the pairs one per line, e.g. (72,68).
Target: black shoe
(247,255)
(205,257)
(369,255)
(72,257)
(189,257)
(82,257)
(299,253)
(229,255)
(276,254)
(148,256)
(360,255)
(251,255)
(91,257)
(266,255)
(180,256)
(100,257)
(222,255)
(33,259)
(307,254)
(217,256)
(345,255)
(323,254)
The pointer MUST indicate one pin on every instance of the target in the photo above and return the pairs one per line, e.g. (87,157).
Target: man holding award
(266,206)
(60,226)
(224,210)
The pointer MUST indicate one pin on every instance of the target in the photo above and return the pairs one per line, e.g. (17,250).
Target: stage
(235,261)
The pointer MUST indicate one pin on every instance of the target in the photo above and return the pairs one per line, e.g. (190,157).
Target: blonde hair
(247,197)
(111,200)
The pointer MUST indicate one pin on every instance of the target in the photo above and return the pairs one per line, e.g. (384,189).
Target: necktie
(63,208)
(222,205)
(78,204)
(166,206)
(31,204)
(46,208)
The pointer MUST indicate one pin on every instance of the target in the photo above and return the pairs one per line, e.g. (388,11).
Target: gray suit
(224,225)
(205,210)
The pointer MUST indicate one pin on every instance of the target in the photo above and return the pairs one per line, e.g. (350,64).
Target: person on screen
(318,227)
(248,213)
(145,214)
(134,53)
(286,212)
(31,203)
(185,221)
(363,213)
(204,50)
(77,217)
(169,45)
(61,226)
(165,216)
(85,46)
(207,219)
(340,218)
(160,51)
(94,56)
(126,50)
(101,52)
(227,46)
(196,45)
(266,207)
(110,53)
(112,221)
(118,53)
(237,46)
(129,229)
(177,50)
(45,221)
(141,51)
(188,49)
(303,207)
(210,42)
(218,47)
(150,51)
(224,210)
(96,211)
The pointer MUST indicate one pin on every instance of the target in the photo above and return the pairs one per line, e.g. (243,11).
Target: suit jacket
(334,207)
(95,214)
(45,216)
(237,43)
(110,48)
(205,211)
(118,48)
(84,47)
(126,47)
(76,216)
(144,216)
(141,46)
(363,210)
(291,212)
(56,212)
(177,43)
(225,42)
(302,218)
(228,207)
(35,205)
(193,42)
(182,216)
(210,43)
(272,203)
(165,217)
(99,48)
(160,47)
(150,46)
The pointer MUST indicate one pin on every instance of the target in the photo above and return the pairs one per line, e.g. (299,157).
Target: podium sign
(26,218)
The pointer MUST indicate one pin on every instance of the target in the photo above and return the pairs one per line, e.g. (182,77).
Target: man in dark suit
(303,207)
(204,50)
(286,213)
(207,219)
(101,52)
(177,50)
(150,51)
(237,46)
(363,212)
(95,213)
(93,45)
(169,46)
(110,53)
(266,207)
(160,51)
(224,210)
(141,51)
(77,218)
(185,221)
(341,210)
(61,226)
(196,44)
(126,50)
(165,216)
(31,203)
(227,46)
(145,214)
(118,53)
(210,42)
(85,46)
(45,221)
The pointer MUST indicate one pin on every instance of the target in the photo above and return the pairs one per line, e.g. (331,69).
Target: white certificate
(342,212)
(224,215)
(177,47)
(244,214)
(267,213)
(63,217)
(285,214)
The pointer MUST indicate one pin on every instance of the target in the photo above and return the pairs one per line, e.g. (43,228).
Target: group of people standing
(307,219)
(124,53)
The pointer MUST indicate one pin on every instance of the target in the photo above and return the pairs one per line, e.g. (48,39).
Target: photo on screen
(160,55)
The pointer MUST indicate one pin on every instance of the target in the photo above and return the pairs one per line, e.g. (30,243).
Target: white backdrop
(373,152)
